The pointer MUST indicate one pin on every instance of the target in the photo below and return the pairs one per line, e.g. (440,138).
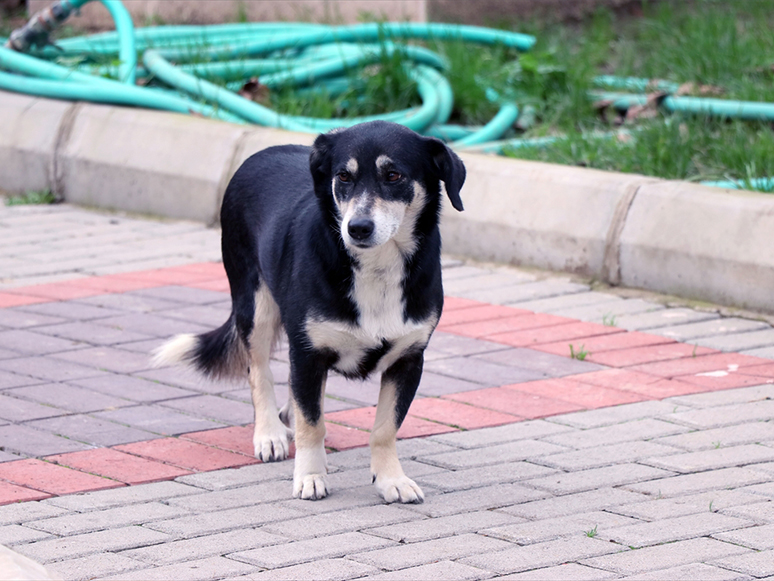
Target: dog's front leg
(307,381)
(399,385)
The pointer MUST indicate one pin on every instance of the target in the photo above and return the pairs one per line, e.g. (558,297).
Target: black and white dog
(338,247)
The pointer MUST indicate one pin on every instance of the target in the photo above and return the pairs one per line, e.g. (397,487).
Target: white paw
(310,487)
(401,489)
(272,447)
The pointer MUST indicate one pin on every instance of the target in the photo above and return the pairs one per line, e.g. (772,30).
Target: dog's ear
(449,169)
(320,158)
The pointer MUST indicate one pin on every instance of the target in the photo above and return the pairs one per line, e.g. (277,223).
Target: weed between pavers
(32,198)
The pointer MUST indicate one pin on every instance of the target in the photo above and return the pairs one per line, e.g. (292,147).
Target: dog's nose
(360,228)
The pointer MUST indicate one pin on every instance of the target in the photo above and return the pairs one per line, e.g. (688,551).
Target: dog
(337,247)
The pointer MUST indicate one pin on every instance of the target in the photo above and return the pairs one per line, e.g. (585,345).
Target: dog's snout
(360,229)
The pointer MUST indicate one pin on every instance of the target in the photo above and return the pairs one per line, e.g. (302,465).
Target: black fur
(281,228)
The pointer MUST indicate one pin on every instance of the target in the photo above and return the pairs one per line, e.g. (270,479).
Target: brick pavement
(649,454)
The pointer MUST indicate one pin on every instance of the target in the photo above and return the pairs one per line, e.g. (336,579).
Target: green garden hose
(198,69)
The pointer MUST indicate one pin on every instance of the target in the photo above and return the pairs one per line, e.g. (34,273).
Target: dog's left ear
(320,159)
(449,169)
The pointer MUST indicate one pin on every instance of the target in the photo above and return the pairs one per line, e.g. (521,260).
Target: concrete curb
(667,236)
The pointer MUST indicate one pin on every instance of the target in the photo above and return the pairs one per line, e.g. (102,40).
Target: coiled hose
(187,59)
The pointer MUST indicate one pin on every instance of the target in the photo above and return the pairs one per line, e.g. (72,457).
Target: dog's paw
(272,447)
(400,489)
(310,487)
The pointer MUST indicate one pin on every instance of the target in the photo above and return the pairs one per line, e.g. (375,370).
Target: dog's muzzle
(360,229)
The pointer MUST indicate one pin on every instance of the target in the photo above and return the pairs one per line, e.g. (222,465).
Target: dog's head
(379,177)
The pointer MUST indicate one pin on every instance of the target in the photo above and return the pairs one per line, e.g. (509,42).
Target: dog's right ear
(320,160)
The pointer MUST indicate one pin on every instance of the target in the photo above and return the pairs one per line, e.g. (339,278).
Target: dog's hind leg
(399,385)
(271,438)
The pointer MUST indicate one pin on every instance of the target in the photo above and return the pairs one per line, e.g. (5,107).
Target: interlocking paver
(214,408)
(545,554)
(131,388)
(444,526)
(17,534)
(483,475)
(664,508)
(757,565)
(720,457)
(90,430)
(711,328)
(595,478)
(94,566)
(751,340)
(692,571)
(533,429)
(157,419)
(322,569)
(663,318)
(608,416)
(602,498)
(497,454)
(197,570)
(121,496)
(608,313)
(119,466)
(605,455)
(61,396)
(448,570)
(19,410)
(567,571)
(726,415)
(638,429)
(699,482)
(549,529)
(27,441)
(484,498)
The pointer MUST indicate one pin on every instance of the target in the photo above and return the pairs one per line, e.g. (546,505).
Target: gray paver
(30,442)
(548,364)
(546,554)
(673,529)
(664,508)
(532,429)
(49,369)
(27,511)
(762,512)
(662,318)
(447,570)
(605,455)
(497,454)
(94,566)
(726,415)
(616,415)
(90,430)
(235,477)
(476,499)
(200,570)
(18,410)
(322,570)
(626,431)
(609,313)
(17,534)
(214,408)
(65,397)
(90,543)
(570,301)
(758,564)
(482,476)
(128,495)
(132,388)
(757,537)
(747,433)
(549,529)
(157,419)
(724,326)
(422,552)
(566,572)
(699,482)
(304,551)
(697,571)
(445,526)
(740,341)
(220,544)
(754,393)
(595,478)
(767,352)
(483,372)
(714,458)
(603,498)
(666,556)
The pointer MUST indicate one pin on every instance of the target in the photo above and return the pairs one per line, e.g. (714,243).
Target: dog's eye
(393,176)
(344,176)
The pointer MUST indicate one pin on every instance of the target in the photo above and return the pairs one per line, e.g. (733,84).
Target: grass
(580,354)
(31,198)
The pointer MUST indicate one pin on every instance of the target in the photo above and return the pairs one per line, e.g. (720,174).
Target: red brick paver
(118,465)
(186,454)
(53,479)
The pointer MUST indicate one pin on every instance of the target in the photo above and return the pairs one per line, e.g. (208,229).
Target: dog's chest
(381,335)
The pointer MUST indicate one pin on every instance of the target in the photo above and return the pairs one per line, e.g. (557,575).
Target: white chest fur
(377,292)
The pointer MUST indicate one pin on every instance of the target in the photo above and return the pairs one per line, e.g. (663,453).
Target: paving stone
(323,569)
(484,498)
(448,570)
(750,340)
(666,508)
(699,482)
(232,498)
(31,342)
(546,554)
(757,537)
(512,295)
(236,477)
(93,566)
(225,520)
(712,459)
(350,497)
(756,564)
(760,512)
(17,534)
(90,333)
(21,319)
(568,571)
(528,430)
(497,454)
(605,455)
(130,301)
(345,521)
(214,408)
(723,326)
(726,415)
(68,397)
(117,497)
(445,526)
(182,294)
(10,380)
(72,310)
(748,433)
(767,352)
(618,414)
(199,570)
(132,388)
(459,285)
(527,533)
(152,324)
(76,524)
(206,546)
(673,529)
(22,512)
(482,476)
(547,363)
(698,571)
(19,410)
(90,430)
(482,372)
(582,299)
(298,552)
(436,385)
(665,556)
(185,378)
(35,443)
(583,480)
(662,318)
(601,499)
(79,545)
(157,419)
(108,359)
(49,369)
(725,397)
(8,457)
(609,313)
(450,344)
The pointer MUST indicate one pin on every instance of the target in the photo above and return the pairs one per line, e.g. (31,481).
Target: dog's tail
(217,354)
